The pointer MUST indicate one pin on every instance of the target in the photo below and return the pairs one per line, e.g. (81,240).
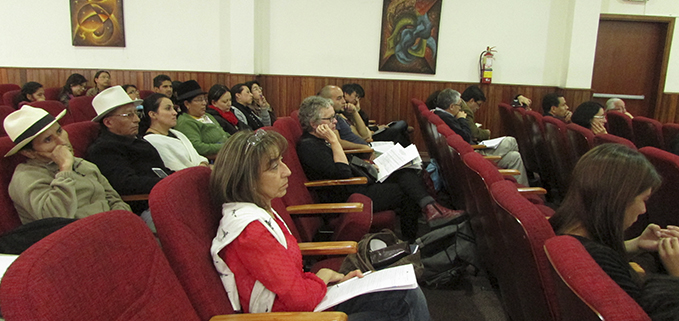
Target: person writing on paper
(256,255)
(322,157)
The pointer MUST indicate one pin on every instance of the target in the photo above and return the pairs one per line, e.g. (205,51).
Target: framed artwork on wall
(97,23)
(410,31)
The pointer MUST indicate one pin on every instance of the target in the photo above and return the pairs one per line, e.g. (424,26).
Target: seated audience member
(470,101)
(52,182)
(220,108)
(396,131)
(350,138)
(30,92)
(156,125)
(75,86)
(162,84)
(241,98)
(555,105)
(132,91)
(609,187)
(590,115)
(203,130)
(618,105)
(102,80)
(255,253)
(131,164)
(452,114)
(403,190)
(259,105)
(521,101)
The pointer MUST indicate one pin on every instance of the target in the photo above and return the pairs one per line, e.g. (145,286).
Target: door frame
(669,22)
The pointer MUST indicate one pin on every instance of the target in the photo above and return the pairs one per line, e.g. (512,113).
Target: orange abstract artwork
(97,23)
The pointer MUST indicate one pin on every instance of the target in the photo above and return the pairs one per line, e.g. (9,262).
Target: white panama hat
(111,98)
(26,123)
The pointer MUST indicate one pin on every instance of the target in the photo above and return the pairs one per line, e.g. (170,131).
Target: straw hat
(111,98)
(26,123)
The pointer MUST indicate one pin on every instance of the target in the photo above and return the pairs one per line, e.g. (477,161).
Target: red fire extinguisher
(486,65)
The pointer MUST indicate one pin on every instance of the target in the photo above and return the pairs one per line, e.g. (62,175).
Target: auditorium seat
(584,291)
(647,132)
(669,132)
(81,108)
(535,130)
(52,93)
(145,93)
(581,140)
(507,119)
(522,135)
(54,107)
(620,125)
(612,139)
(4,111)
(8,87)
(9,218)
(560,153)
(81,135)
(8,98)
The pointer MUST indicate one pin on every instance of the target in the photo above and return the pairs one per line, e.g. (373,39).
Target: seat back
(647,132)
(145,93)
(81,108)
(451,174)
(52,93)
(559,152)
(507,119)
(187,221)
(522,135)
(525,228)
(4,111)
(620,125)
(612,139)
(81,135)
(8,87)
(106,266)
(584,290)
(8,98)
(9,218)
(54,107)
(581,140)
(662,207)
(669,132)
(535,131)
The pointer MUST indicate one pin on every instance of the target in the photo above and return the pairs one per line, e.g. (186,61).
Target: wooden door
(631,61)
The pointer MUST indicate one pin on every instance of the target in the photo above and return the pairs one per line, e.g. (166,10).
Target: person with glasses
(202,129)
(52,182)
(449,110)
(132,91)
(131,164)
(590,115)
(259,105)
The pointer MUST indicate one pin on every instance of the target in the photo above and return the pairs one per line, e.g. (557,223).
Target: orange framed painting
(97,23)
(410,31)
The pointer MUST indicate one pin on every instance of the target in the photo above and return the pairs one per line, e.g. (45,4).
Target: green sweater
(206,138)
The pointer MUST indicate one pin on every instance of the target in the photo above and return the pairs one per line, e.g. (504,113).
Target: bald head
(335,94)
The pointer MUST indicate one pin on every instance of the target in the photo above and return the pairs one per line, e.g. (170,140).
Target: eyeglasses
(198,99)
(138,113)
(329,118)
(253,140)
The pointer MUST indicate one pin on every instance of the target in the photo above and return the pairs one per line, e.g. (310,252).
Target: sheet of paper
(394,159)
(400,277)
(492,143)
(5,261)
(381,147)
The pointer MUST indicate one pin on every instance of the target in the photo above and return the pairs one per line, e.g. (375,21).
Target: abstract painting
(410,31)
(97,23)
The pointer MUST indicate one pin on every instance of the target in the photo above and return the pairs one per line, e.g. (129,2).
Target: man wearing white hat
(52,182)
(131,164)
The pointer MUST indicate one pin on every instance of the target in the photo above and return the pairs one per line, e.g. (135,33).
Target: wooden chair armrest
(532,191)
(479,147)
(335,182)
(323,208)
(509,172)
(328,248)
(135,197)
(359,150)
(493,158)
(298,316)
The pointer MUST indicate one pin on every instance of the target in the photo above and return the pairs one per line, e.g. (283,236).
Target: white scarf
(235,217)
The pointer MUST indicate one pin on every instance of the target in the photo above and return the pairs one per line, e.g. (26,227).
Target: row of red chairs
(512,232)
(642,131)
(80,109)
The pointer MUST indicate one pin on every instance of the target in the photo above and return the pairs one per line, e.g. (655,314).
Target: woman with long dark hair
(30,92)
(75,86)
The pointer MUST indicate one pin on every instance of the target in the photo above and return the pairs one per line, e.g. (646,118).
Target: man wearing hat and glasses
(131,164)
(52,182)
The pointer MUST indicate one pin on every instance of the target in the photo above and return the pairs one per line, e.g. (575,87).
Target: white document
(5,261)
(400,277)
(492,143)
(381,147)
(395,158)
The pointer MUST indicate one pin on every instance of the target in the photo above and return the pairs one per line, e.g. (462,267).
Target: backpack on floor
(446,253)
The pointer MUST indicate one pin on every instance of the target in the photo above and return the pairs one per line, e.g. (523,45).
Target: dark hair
(585,112)
(603,184)
(549,100)
(432,100)
(216,92)
(158,80)
(252,82)
(237,89)
(99,73)
(473,92)
(151,103)
(128,86)
(72,80)
(238,166)
(353,88)
(29,88)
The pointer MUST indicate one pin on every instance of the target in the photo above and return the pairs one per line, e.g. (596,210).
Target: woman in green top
(204,132)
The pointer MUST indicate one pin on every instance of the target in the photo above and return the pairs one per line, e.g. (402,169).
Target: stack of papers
(395,158)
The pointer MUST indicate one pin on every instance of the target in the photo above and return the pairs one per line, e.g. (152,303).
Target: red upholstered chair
(560,152)
(581,140)
(4,111)
(535,131)
(52,93)
(104,267)
(54,107)
(9,218)
(647,132)
(8,87)
(620,125)
(81,135)
(8,98)
(186,221)
(584,291)
(525,229)
(669,132)
(612,139)
(81,108)
(145,93)
(522,135)
(507,119)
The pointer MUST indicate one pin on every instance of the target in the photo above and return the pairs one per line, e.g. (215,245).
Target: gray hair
(447,97)
(309,111)
(610,104)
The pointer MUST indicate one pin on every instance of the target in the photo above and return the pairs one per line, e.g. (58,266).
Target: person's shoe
(434,211)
